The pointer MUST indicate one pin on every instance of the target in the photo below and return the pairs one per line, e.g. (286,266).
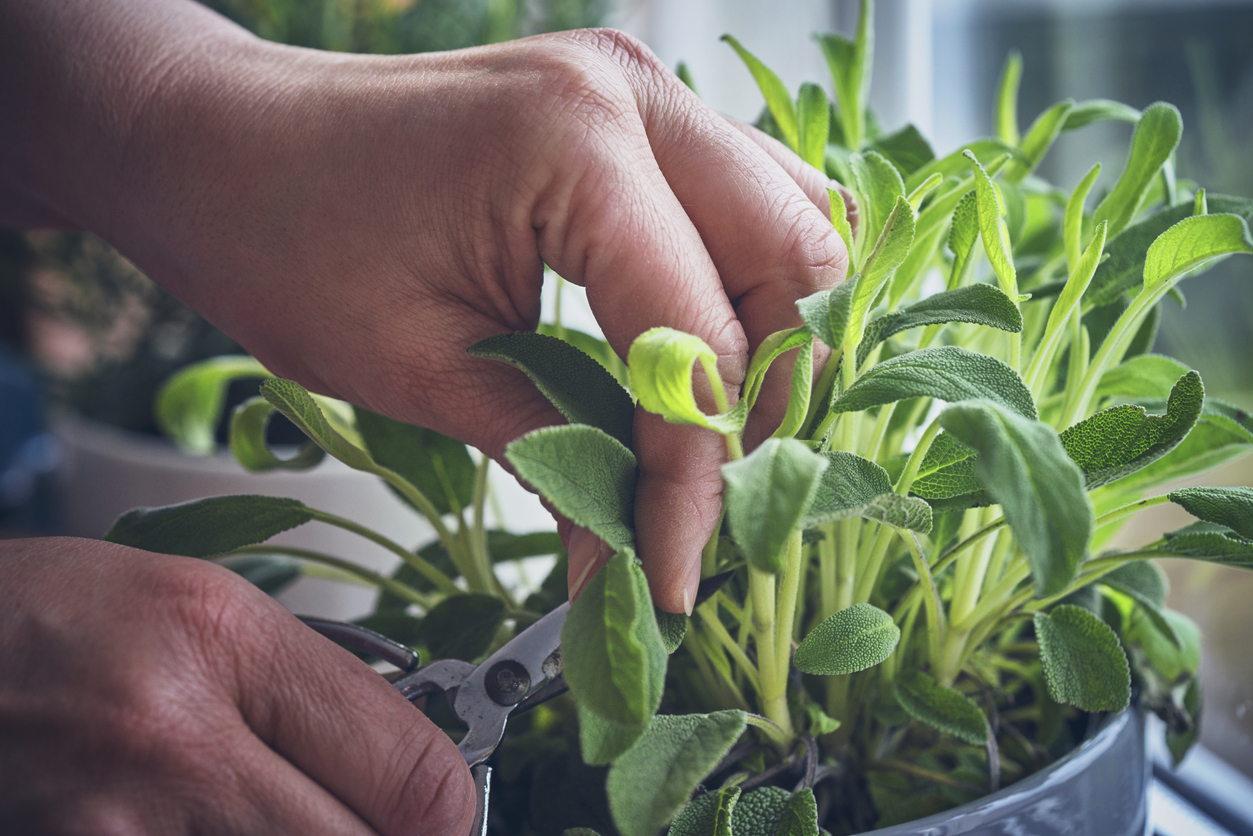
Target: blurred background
(85,339)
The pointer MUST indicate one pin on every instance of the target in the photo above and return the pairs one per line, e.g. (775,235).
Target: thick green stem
(708,615)
(428,571)
(761,589)
(828,574)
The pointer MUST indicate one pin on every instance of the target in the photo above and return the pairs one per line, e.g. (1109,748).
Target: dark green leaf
(438,466)
(601,741)
(767,496)
(1141,376)
(1179,741)
(1228,507)
(266,572)
(978,303)
(205,527)
(397,626)
(1099,110)
(757,813)
(673,627)
(800,815)
(947,373)
(711,814)
(1025,469)
(1123,439)
(579,386)
(848,482)
(851,640)
(947,470)
(462,626)
(907,149)
(1156,135)
(585,473)
(880,185)
(613,655)
(942,708)
(595,347)
(1144,583)
(657,775)
(1084,665)
(826,314)
(189,405)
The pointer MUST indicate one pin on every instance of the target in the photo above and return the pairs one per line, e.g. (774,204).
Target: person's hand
(141,693)
(356,222)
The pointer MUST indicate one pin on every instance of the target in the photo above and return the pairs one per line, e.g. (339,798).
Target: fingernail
(689,591)
(583,552)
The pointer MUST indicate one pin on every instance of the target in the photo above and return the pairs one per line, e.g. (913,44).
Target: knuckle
(437,790)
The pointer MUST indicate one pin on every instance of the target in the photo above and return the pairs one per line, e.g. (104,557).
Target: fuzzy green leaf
(602,742)
(1174,653)
(294,401)
(1142,376)
(612,652)
(1143,580)
(767,495)
(1213,544)
(798,397)
(1156,136)
(848,483)
(908,149)
(189,405)
(661,361)
(711,814)
(839,219)
(990,207)
(462,626)
(962,237)
(757,813)
(598,349)
(579,386)
(1025,469)
(1191,242)
(585,473)
(813,116)
(947,373)
(1099,110)
(771,348)
(206,527)
(249,422)
(890,250)
(980,304)
(942,708)
(267,572)
(947,471)
(956,164)
(853,639)
(880,186)
(849,63)
(440,467)
(1228,507)
(800,815)
(826,314)
(1084,665)
(657,775)
(1006,115)
(673,627)
(775,93)
(1123,439)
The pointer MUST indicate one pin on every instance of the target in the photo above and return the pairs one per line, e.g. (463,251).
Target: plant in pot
(909,603)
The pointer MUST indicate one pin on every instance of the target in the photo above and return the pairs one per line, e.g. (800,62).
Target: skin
(356,222)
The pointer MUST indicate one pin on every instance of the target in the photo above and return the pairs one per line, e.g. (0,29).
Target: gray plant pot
(1099,789)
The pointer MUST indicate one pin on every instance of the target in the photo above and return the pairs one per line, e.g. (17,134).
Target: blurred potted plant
(909,603)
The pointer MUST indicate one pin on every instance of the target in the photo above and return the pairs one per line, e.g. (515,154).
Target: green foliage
(462,626)
(661,360)
(673,627)
(1192,242)
(207,527)
(1084,665)
(942,708)
(980,304)
(435,464)
(1229,507)
(851,640)
(189,405)
(1156,136)
(711,814)
(767,495)
(249,423)
(800,815)
(757,813)
(777,98)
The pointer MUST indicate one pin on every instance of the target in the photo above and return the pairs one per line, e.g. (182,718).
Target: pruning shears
(523,673)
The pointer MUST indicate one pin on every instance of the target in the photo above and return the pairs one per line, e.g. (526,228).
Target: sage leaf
(947,373)
(768,493)
(1006,112)
(1229,507)
(907,149)
(980,304)
(775,93)
(1142,376)
(851,640)
(880,186)
(1156,136)
(962,237)
(585,473)
(813,116)
(612,653)
(1123,439)
(1213,544)
(207,527)
(673,627)
(941,708)
(826,314)
(771,348)
(849,63)
(990,206)
(889,251)
(1099,110)
(595,347)
(1191,242)
(581,388)
(820,722)
(438,466)
(848,483)
(986,150)
(798,397)
(947,470)
(189,405)
(267,572)
(757,813)
(800,815)
(1181,741)
(1175,654)
(602,742)
(656,776)
(839,219)
(248,445)
(295,402)
(711,814)
(1025,469)
(1145,584)
(661,361)
(462,626)
(1072,223)
(1038,140)
(1084,665)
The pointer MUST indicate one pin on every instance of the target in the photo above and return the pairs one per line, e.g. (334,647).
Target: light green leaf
(657,775)
(1025,469)
(798,397)
(1084,665)
(826,314)
(440,467)
(767,495)
(1155,138)
(1120,440)
(949,711)
(1145,584)
(918,195)
(673,627)
(800,815)
(462,626)
(1039,139)
(980,304)
(771,348)
(851,640)
(602,742)
(1142,376)
(1007,98)
(947,373)
(586,474)
(775,93)
(206,527)
(1174,653)
(839,220)
(1072,225)
(813,115)
(248,425)
(848,483)
(849,63)
(1099,110)
(1200,206)
(612,653)
(711,814)
(757,813)
(291,399)
(962,237)
(987,150)
(661,361)
(189,405)
(880,186)
(579,386)
(990,207)
(1228,507)
(1191,242)
(947,471)
(819,722)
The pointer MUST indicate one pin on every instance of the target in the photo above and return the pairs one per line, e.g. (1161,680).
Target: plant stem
(709,620)
(428,571)
(931,596)
(373,578)
(761,589)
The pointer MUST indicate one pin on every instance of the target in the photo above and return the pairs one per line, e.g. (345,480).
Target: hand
(141,693)
(356,222)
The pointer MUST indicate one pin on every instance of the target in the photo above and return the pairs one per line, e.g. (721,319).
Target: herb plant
(909,601)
